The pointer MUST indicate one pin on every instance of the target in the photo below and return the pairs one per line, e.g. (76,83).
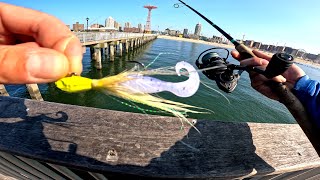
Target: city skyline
(290,23)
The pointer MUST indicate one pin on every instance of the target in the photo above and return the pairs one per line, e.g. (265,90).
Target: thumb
(23,65)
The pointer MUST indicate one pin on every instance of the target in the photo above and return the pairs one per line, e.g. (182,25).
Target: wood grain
(106,141)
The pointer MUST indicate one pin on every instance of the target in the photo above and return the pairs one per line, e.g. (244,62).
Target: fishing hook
(139,63)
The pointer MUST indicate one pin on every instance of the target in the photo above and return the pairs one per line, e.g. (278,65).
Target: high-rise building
(185,33)
(127,25)
(116,25)
(140,27)
(109,22)
(197,30)
(78,27)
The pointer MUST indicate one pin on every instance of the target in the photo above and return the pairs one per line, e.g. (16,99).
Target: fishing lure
(145,84)
(138,87)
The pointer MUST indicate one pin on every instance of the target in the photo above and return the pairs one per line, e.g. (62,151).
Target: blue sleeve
(307,91)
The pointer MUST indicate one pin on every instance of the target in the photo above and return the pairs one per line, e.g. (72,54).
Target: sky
(293,23)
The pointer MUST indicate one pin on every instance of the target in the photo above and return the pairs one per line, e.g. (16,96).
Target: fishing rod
(245,52)
(279,63)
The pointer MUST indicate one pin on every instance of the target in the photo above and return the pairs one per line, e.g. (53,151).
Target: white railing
(100,36)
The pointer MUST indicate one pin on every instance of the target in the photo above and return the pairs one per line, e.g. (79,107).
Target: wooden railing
(78,142)
(93,37)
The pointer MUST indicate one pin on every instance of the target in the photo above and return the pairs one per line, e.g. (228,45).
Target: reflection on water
(246,105)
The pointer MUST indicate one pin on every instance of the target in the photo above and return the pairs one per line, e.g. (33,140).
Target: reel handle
(278,64)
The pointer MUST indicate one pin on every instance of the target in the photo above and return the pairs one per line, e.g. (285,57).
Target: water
(246,105)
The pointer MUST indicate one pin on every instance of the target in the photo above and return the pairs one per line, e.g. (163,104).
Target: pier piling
(34,92)
(98,63)
(111,51)
(127,46)
(131,44)
(120,48)
(3,91)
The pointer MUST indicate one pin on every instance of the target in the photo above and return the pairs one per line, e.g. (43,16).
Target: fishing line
(17,91)
(144,112)
(138,108)
(207,86)
(154,60)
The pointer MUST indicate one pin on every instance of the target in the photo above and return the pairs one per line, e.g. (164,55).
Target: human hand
(259,82)
(35,47)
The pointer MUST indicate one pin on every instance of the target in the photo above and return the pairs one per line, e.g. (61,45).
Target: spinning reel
(220,70)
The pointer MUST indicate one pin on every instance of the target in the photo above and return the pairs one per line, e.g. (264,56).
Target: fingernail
(73,51)
(264,62)
(46,65)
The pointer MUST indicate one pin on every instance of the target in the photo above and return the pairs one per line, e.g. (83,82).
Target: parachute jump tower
(148,24)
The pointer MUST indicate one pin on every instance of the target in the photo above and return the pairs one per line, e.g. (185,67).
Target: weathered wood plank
(17,162)
(119,142)
(311,174)
(41,168)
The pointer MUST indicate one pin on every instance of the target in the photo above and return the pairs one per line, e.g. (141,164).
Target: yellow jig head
(74,84)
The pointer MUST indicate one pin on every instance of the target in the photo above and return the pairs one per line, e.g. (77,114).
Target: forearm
(307,91)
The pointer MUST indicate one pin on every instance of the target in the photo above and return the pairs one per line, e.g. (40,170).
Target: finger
(262,55)
(23,38)
(279,79)
(47,31)
(25,64)
(235,54)
(255,61)
(6,39)
(29,44)
(15,39)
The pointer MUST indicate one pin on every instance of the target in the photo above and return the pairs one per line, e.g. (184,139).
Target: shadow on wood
(122,144)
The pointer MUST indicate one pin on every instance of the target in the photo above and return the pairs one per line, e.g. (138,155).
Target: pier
(46,140)
(112,44)
(58,141)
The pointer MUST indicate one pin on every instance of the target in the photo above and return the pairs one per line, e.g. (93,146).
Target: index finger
(48,32)
(262,55)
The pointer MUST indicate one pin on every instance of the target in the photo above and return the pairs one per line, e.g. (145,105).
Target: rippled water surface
(246,105)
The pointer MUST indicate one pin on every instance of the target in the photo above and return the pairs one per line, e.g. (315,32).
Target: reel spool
(221,71)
